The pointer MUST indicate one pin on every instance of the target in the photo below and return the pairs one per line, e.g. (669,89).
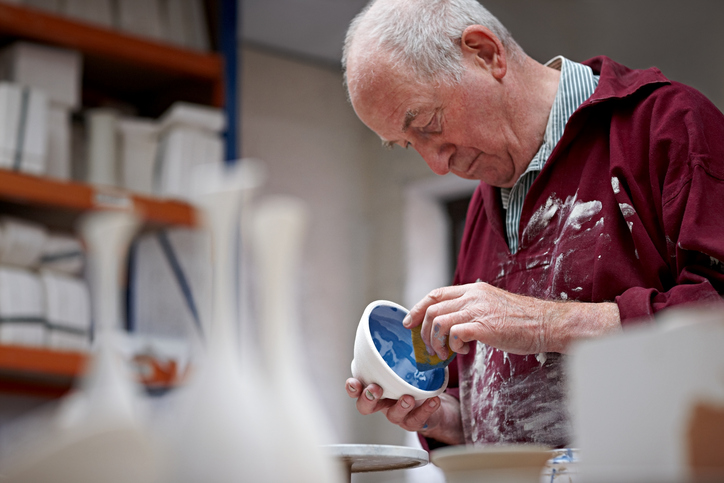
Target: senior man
(599,205)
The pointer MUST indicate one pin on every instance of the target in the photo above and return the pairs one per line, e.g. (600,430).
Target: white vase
(278,226)
(224,423)
(99,431)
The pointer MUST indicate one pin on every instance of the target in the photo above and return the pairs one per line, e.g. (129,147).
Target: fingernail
(351,388)
(407,320)
(432,403)
(369,395)
(430,351)
(404,403)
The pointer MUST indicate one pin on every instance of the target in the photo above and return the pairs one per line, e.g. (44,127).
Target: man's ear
(486,48)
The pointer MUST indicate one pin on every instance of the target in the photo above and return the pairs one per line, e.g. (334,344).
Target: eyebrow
(409,117)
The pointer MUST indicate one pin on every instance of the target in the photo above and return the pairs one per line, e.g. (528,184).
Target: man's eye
(433,126)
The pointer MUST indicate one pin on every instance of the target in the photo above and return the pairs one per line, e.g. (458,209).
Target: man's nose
(437,156)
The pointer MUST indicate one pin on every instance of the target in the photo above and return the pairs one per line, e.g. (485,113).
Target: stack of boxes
(40,92)
(44,301)
(40,89)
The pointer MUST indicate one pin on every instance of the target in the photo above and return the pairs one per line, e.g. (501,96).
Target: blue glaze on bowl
(394,343)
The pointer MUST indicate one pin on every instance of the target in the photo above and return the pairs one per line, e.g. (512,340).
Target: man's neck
(533,95)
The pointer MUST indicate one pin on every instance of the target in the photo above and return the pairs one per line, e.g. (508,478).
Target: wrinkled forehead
(372,77)
(376,88)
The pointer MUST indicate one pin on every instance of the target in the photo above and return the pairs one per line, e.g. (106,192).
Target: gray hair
(423,35)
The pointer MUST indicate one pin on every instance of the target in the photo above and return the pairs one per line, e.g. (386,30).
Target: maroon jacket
(628,208)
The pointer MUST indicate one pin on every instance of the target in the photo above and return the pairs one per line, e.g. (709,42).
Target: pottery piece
(491,464)
(99,432)
(277,235)
(220,427)
(384,355)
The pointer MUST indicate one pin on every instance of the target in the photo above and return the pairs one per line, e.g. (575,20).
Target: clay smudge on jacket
(520,406)
(615,185)
(626,210)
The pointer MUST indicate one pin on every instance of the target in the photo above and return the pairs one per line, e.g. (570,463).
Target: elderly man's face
(464,129)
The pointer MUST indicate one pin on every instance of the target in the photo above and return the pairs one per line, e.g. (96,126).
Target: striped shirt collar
(577,83)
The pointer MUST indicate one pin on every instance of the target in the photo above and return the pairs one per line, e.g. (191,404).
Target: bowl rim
(414,391)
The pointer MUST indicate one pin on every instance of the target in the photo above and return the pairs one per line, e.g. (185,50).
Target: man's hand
(514,323)
(437,417)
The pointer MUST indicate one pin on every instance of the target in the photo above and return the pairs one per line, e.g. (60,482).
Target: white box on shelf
(67,311)
(21,307)
(30,334)
(181,150)
(54,70)
(21,242)
(61,340)
(190,135)
(98,12)
(102,150)
(195,116)
(63,253)
(138,148)
(59,139)
(23,128)
(140,17)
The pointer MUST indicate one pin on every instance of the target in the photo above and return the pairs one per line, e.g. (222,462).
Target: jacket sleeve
(687,168)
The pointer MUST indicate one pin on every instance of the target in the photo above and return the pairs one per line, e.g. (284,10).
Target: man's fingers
(418,418)
(353,387)
(417,313)
(441,318)
(398,413)
(370,400)
(460,337)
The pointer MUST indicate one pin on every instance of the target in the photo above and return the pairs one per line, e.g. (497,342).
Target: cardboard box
(53,70)
(59,142)
(138,149)
(23,128)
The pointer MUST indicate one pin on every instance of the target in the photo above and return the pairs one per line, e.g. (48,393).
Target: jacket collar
(618,81)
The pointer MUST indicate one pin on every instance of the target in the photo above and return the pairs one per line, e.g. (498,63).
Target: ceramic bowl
(383,354)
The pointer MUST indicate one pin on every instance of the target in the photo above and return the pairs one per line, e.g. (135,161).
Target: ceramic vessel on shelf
(99,432)
(384,355)
(491,464)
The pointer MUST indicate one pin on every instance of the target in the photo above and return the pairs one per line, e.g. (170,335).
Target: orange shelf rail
(32,361)
(40,191)
(48,373)
(115,46)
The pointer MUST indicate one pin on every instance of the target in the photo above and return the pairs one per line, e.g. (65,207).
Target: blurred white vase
(278,228)
(224,426)
(99,431)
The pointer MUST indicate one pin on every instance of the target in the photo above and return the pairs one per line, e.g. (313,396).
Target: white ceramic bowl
(383,355)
